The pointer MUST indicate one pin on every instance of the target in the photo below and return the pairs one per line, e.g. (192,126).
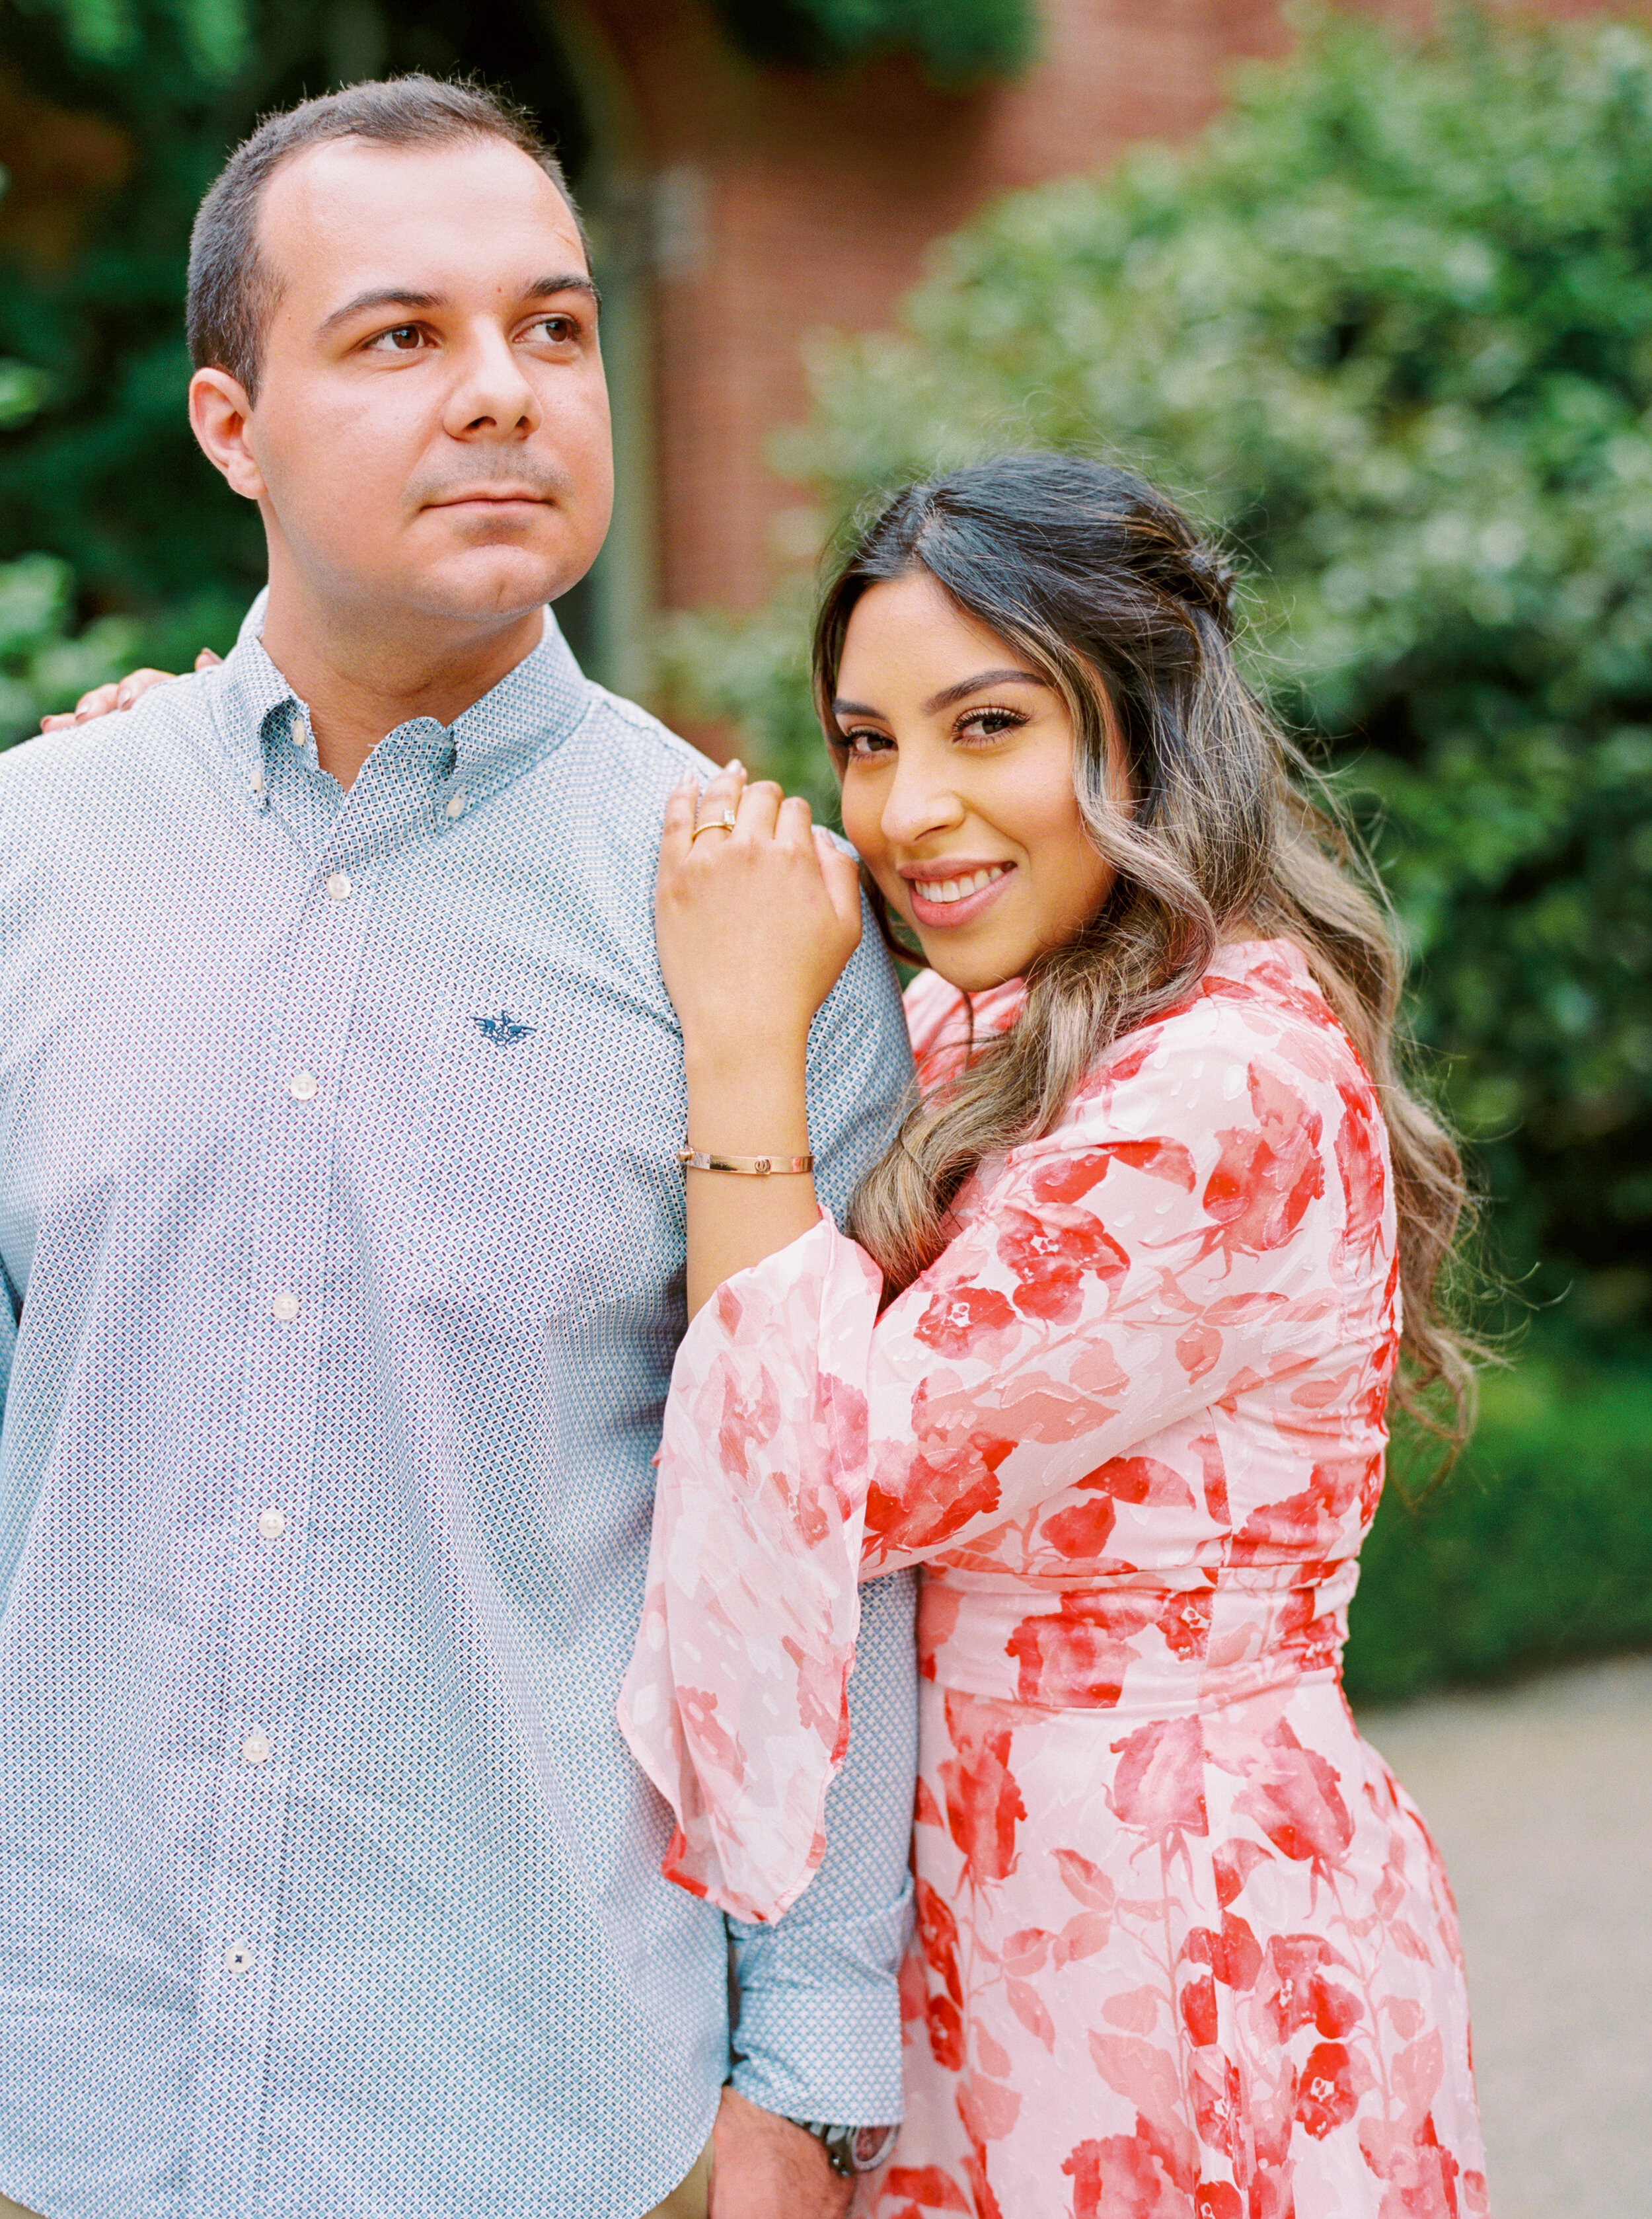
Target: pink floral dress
(1184,1949)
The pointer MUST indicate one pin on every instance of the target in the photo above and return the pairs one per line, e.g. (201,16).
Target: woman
(1106,1352)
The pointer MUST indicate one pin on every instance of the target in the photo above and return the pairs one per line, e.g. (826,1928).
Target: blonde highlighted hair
(1106,588)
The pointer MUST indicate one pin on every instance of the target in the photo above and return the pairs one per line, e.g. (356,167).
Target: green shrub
(1536,1552)
(1391,321)
(959,41)
(48,657)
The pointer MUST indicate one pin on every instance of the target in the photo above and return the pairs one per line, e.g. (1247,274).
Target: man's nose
(492,394)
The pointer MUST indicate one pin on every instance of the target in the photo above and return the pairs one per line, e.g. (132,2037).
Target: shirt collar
(533,708)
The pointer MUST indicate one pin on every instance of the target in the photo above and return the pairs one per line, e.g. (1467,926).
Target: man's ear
(220,415)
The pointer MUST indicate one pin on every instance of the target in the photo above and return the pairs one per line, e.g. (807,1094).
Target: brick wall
(778,202)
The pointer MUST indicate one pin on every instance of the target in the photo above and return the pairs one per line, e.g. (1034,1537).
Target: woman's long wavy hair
(1106,590)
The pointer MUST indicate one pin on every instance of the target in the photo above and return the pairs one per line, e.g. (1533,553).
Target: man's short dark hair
(233,292)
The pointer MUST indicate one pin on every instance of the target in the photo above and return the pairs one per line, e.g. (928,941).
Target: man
(342,1242)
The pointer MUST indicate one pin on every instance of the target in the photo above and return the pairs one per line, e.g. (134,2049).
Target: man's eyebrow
(383,296)
(571,281)
(406,297)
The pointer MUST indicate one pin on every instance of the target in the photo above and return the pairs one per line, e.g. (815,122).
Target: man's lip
(937,916)
(491,499)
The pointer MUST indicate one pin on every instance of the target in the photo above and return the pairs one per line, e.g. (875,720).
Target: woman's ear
(220,417)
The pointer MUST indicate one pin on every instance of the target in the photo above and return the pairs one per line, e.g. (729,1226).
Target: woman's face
(958,789)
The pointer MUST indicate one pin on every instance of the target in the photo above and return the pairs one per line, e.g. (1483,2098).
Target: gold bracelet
(698,1159)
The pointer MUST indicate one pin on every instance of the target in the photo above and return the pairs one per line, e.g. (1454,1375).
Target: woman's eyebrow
(966,687)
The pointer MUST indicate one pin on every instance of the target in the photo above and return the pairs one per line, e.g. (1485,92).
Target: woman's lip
(935,915)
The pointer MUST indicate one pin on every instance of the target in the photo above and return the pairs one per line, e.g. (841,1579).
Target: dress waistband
(1145,1644)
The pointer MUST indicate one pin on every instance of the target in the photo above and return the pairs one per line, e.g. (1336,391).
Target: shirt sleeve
(10,1314)
(818,2035)
(1187,1233)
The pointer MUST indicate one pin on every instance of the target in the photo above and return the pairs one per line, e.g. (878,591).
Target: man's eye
(559,330)
(405,339)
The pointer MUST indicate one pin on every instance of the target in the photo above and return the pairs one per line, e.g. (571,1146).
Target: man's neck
(357,688)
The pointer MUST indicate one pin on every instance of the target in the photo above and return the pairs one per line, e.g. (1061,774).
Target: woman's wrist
(760,1061)
(737,1056)
(749,1106)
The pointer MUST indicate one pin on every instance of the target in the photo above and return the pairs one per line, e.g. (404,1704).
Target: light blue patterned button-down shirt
(343,1253)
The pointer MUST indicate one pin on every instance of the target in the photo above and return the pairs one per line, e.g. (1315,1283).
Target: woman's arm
(1202,1226)
(754,924)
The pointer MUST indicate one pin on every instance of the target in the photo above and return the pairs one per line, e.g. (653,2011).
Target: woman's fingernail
(735,763)
(123,697)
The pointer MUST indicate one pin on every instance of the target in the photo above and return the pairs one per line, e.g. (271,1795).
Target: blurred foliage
(959,41)
(1538,1553)
(1393,319)
(41,667)
(114,116)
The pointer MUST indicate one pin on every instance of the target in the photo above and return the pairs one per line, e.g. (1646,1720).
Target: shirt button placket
(270,1583)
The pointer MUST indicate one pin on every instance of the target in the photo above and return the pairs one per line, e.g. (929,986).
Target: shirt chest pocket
(536,1193)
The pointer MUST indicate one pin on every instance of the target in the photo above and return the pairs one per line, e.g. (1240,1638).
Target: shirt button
(338,884)
(304,1086)
(257,781)
(272,1524)
(456,804)
(238,1958)
(284,1306)
(256,1747)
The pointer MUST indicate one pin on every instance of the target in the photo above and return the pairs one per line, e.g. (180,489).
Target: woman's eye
(989,723)
(861,744)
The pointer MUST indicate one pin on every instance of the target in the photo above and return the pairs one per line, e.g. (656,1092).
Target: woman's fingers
(794,823)
(98,703)
(137,683)
(677,830)
(104,700)
(719,798)
(758,809)
(842,875)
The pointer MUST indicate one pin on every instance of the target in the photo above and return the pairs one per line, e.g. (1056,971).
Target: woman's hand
(756,923)
(119,693)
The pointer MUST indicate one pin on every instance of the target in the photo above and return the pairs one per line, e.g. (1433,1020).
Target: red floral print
(983,1801)
(1184,1950)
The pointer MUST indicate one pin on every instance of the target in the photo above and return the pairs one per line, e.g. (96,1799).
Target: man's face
(431,425)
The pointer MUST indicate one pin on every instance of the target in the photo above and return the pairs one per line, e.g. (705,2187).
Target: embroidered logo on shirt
(504,1031)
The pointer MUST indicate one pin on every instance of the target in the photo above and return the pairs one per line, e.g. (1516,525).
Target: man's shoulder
(625,734)
(93,771)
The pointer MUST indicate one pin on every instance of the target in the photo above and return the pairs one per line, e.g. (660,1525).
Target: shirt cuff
(823,2042)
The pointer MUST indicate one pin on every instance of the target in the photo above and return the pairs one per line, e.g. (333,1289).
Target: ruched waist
(1162,1645)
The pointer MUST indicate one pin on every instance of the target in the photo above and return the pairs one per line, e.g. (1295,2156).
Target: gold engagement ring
(726,823)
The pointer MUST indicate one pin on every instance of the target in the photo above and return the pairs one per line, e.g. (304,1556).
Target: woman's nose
(917,804)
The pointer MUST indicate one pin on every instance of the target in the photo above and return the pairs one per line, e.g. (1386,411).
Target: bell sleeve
(1198,1223)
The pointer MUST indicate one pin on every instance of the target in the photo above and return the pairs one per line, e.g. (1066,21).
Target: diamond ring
(726,823)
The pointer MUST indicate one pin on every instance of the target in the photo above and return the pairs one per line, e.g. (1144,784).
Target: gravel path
(1540,1797)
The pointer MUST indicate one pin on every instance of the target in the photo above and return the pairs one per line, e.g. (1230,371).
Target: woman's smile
(949,892)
